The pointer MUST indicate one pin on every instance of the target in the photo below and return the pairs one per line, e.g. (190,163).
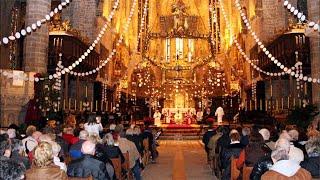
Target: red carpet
(177,126)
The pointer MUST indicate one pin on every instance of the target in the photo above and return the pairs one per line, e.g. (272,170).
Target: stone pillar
(314,15)
(36,44)
(84,17)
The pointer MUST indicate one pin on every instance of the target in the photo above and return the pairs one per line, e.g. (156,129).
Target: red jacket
(70,139)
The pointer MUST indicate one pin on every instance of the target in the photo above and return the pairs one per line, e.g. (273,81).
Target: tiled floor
(179,160)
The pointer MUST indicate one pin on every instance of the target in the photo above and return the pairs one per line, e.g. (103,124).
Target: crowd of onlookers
(270,152)
(83,150)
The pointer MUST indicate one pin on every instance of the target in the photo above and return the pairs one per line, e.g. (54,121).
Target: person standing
(219,113)
(157,118)
(93,126)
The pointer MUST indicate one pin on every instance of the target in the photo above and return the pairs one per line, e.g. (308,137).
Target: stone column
(313,11)
(36,44)
(84,17)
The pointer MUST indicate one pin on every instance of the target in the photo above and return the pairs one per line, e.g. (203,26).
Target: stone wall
(36,44)
(314,15)
(82,15)
(13,100)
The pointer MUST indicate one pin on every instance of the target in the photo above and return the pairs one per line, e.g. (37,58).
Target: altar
(178,115)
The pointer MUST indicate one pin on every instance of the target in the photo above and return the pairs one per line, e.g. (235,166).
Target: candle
(288,102)
(58,105)
(277,107)
(255,104)
(271,90)
(305,88)
(80,105)
(260,104)
(107,106)
(250,104)
(86,91)
(91,106)
(266,104)
(75,104)
(69,104)
(96,105)
(101,106)
(282,103)
(64,104)
(294,102)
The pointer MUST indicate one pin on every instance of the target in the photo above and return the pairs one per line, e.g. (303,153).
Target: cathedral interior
(142,55)
(178,89)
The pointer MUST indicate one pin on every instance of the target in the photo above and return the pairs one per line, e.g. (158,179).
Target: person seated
(147,133)
(56,148)
(134,157)
(224,140)
(9,168)
(68,136)
(252,152)
(233,149)
(44,167)
(295,153)
(265,133)
(31,141)
(93,125)
(135,139)
(312,162)
(205,139)
(244,139)
(75,149)
(87,165)
(284,168)
(17,154)
(294,134)
(212,145)
(108,150)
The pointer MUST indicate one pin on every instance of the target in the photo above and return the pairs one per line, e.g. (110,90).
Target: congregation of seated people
(70,151)
(263,153)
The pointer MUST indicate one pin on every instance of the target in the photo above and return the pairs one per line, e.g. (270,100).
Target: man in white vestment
(219,113)
(157,118)
(199,116)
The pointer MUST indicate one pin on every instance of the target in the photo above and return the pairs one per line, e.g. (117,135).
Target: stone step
(184,134)
(180,137)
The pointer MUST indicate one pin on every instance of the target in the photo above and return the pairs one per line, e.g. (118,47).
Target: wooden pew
(146,152)
(246,172)
(234,170)
(117,167)
(126,166)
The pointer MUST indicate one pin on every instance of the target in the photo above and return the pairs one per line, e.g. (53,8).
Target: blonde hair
(43,155)
(95,138)
(30,130)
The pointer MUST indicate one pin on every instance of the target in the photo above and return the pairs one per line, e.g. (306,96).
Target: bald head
(88,148)
(284,144)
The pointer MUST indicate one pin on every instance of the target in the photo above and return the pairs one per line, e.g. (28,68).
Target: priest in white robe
(157,118)
(219,113)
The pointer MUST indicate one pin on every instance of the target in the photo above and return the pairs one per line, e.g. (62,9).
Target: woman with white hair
(56,160)
(284,168)
(295,153)
(265,133)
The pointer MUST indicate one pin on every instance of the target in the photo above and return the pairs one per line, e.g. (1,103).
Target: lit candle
(288,102)
(266,104)
(271,90)
(294,102)
(64,104)
(58,105)
(305,88)
(69,104)
(86,91)
(282,103)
